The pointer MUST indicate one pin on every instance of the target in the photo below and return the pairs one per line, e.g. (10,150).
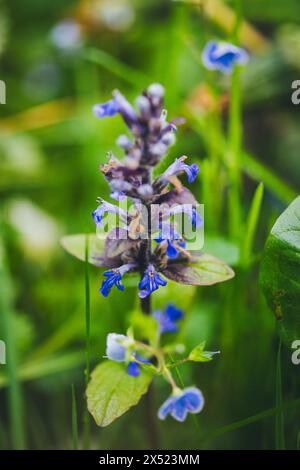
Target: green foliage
(75,245)
(111,391)
(144,326)
(279,272)
(222,248)
(207,271)
(198,354)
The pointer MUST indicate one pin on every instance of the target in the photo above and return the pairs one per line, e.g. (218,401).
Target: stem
(145,253)
(14,392)
(74,419)
(86,417)
(235,138)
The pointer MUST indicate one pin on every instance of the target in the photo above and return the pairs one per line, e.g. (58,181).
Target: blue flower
(196,219)
(182,402)
(114,277)
(223,56)
(168,319)
(116,346)
(173,241)
(133,367)
(108,109)
(191,211)
(119,349)
(106,207)
(178,166)
(150,282)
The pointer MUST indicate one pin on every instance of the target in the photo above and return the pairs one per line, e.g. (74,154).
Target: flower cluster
(154,202)
(135,355)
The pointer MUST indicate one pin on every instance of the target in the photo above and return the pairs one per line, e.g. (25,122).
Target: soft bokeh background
(58,58)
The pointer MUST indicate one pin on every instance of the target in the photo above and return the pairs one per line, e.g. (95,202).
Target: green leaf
(222,248)
(75,245)
(206,271)
(279,273)
(199,355)
(111,391)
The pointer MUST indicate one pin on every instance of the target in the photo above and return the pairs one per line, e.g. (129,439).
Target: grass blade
(279,422)
(251,420)
(259,172)
(74,420)
(251,225)
(44,367)
(86,417)
(14,389)
(118,68)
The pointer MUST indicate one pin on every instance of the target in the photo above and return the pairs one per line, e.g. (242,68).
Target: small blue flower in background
(150,282)
(223,56)
(178,166)
(168,319)
(182,402)
(108,109)
(116,346)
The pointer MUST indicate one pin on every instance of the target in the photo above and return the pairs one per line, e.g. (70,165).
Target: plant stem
(86,418)
(152,428)
(15,401)
(235,139)
(74,419)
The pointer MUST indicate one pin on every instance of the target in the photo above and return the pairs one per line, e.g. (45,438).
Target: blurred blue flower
(168,319)
(223,56)
(182,402)
(108,109)
(116,347)
(150,282)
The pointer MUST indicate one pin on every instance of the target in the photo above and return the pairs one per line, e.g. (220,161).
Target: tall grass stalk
(279,421)
(86,418)
(8,328)
(289,405)
(251,225)
(74,419)
(235,139)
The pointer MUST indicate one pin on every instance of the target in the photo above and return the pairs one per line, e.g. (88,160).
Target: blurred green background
(58,58)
